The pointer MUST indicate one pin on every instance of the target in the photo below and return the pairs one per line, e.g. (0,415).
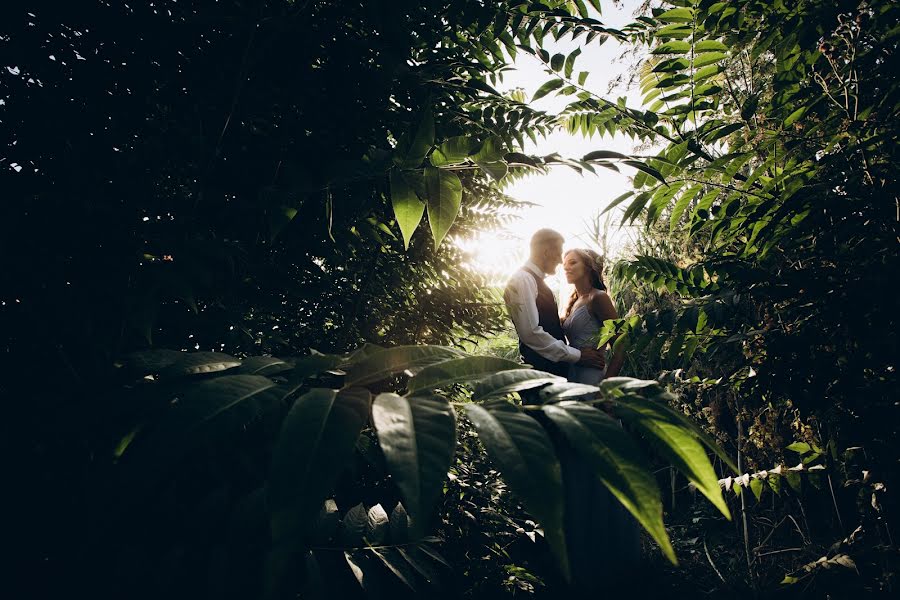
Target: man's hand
(591,357)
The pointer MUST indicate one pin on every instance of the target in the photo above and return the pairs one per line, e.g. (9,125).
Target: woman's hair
(594,264)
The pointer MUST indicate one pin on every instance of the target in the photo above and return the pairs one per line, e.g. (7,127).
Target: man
(534,312)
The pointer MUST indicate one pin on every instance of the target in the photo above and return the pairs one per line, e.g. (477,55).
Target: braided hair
(594,264)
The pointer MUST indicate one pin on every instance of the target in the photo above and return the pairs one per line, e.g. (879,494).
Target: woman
(603,539)
(589,306)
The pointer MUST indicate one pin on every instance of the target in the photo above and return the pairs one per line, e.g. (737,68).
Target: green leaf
(582,77)
(313,364)
(756,486)
(601,154)
(376,524)
(526,459)
(791,118)
(145,362)
(198,363)
(710,46)
(444,198)
(400,522)
(570,63)
(708,59)
(381,363)
(641,166)
(566,389)
(228,400)
(508,382)
(317,439)
(412,148)
(556,63)
(263,365)
(681,205)
(490,158)
(707,72)
(800,448)
(674,47)
(677,443)
(617,201)
(459,370)
(617,462)
(454,150)
(353,528)
(548,87)
(418,437)
(396,564)
(676,15)
(408,209)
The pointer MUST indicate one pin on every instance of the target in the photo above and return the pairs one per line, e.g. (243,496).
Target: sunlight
(569,202)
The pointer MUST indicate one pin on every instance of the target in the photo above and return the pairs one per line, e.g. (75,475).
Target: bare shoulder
(602,305)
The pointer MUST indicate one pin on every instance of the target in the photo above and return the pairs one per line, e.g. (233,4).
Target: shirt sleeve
(520,297)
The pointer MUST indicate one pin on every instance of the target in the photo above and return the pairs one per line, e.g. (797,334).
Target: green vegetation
(251,178)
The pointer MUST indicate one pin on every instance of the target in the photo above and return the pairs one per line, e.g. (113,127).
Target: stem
(740,466)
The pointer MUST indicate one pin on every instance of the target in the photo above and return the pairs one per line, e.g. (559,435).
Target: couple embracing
(602,538)
(543,334)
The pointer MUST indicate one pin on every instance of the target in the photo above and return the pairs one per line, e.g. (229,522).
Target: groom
(534,312)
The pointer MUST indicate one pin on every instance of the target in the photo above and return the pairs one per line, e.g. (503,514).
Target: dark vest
(548,319)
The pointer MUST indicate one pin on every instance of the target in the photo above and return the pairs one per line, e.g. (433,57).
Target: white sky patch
(562,199)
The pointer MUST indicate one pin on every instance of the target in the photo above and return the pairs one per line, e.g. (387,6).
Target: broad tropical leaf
(408,209)
(680,445)
(507,382)
(418,437)
(444,197)
(383,363)
(527,460)
(316,440)
(459,370)
(617,461)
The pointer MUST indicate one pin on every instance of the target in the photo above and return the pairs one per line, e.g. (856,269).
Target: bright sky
(564,200)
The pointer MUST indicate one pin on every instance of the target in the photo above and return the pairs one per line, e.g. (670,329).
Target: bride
(603,539)
(589,306)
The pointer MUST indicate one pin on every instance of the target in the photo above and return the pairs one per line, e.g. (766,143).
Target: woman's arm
(602,309)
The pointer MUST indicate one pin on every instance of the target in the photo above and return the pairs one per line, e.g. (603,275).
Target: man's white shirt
(520,297)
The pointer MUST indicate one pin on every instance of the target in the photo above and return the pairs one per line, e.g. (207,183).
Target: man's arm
(520,297)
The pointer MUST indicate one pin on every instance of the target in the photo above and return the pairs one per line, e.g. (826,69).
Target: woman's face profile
(573,267)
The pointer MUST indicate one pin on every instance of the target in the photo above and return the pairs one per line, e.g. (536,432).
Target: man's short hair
(544,237)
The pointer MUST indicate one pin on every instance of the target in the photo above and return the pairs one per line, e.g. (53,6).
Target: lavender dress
(602,537)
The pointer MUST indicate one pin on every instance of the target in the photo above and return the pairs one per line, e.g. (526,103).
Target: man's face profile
(552,255)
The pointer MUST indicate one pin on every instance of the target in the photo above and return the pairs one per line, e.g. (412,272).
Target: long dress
(602,537)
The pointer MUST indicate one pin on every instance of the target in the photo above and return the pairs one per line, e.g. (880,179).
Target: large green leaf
(679,444)
(444,197)
(490,157)
(459,370)
(316,440)
(413,147)
(710,46)
(602,154)
(507,382)
(454,150)
(198,363)
(408,209)
(418,437)
(263,365)
(380,363)
(313,364)
(674,47)
(566,389)
(677,15)
(617,461)
(525,457)
(553,84)
(200,404)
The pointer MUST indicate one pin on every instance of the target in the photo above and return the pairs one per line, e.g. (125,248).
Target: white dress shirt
(520,297)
